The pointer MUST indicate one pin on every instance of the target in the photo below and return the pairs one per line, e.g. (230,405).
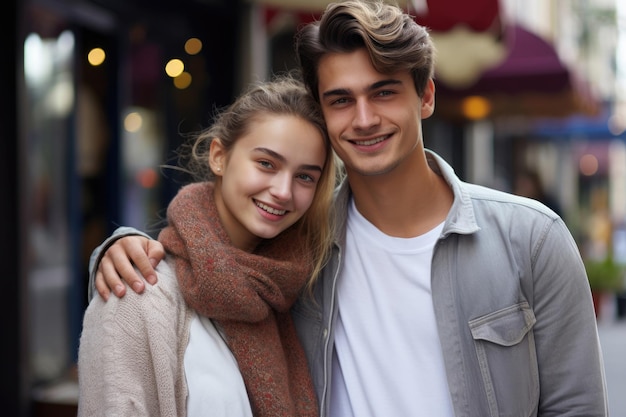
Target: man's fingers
(101,286)
(138,250)
(107,279)
(118,264)
(122,258)
(156,253)
(115,271)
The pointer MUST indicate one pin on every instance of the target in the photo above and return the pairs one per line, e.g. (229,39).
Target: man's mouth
(370,142)
(270,210)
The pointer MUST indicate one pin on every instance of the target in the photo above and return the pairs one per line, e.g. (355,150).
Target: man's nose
(365,115)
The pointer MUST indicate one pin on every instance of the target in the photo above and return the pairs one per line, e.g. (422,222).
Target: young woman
(214,336)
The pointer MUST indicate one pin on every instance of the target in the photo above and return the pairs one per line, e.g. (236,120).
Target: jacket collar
(460,218)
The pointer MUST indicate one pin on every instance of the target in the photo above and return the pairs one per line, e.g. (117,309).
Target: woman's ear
(217,157)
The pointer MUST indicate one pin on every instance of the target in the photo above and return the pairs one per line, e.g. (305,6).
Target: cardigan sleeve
(131,350)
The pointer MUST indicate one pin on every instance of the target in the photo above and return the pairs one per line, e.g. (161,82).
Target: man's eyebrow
(336,92)
(384,83)
(281,158)
(375,86)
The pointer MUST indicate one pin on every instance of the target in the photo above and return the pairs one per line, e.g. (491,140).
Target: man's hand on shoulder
(118,264)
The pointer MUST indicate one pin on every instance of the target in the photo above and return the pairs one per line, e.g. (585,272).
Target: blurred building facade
(106,90)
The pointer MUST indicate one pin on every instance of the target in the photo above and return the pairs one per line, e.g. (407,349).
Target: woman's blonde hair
(284,95)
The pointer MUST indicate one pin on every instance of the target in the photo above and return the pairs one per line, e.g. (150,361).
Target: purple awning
(531,80)
(531,65)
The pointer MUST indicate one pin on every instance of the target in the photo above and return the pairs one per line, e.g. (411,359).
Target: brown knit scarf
(248,296)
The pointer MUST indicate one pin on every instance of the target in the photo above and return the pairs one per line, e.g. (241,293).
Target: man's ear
(217,157)
(428,101)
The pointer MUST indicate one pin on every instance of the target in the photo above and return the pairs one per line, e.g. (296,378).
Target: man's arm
(568,349)
(115,260)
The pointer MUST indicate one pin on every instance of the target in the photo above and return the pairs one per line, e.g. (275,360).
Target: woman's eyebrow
(281,158)
(271,153)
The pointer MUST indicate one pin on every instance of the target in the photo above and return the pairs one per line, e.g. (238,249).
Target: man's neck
(406,202)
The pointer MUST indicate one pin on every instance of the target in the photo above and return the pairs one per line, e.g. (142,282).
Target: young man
(441,298)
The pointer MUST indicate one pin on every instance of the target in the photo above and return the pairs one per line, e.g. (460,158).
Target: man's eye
(340,101)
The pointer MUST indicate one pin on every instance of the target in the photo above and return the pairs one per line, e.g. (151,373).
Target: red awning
(443,15)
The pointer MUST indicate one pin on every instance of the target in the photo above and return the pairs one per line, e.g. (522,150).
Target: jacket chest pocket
(505,348)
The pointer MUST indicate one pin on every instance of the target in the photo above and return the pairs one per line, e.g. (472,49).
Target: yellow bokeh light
(174,67)
(182,81)
(133,122)
(96,56)
(475,107)
(193,46)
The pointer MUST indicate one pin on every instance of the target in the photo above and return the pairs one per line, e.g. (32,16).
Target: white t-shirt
(388,359)
(214,381)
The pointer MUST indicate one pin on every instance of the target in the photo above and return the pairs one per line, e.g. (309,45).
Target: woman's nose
(281,187)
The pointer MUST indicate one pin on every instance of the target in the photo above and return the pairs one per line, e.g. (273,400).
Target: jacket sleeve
(98,252)
(570,364)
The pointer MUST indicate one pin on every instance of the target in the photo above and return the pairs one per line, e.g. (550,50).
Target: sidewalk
(613,340)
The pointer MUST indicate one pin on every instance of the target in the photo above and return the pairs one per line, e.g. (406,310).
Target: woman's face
(267,181)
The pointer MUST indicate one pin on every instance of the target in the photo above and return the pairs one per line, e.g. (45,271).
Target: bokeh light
(193,46)
(183,81)
(96,56)
(174,67)
(476,107)
(588,164)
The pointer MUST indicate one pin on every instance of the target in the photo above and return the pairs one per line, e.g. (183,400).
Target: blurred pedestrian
(528,183)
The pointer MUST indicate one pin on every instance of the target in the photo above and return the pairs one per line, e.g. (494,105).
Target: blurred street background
(97,95)
(613,340)
(612,332)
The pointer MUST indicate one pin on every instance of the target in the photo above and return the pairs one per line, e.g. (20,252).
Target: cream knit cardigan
(131,355)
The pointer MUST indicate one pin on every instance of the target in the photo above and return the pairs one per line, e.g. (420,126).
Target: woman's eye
(306,177)
(266,164)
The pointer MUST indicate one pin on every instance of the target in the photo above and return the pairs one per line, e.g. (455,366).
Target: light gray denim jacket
(512,303)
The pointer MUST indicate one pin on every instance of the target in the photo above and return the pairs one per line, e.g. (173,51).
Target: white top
(215,385)
(388,359)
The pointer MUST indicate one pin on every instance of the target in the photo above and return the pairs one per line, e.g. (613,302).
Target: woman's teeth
(271,210)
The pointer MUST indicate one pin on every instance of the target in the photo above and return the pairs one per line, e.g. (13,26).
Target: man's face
(373,119)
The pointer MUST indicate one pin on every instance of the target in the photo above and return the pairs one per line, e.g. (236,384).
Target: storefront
(98,115)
